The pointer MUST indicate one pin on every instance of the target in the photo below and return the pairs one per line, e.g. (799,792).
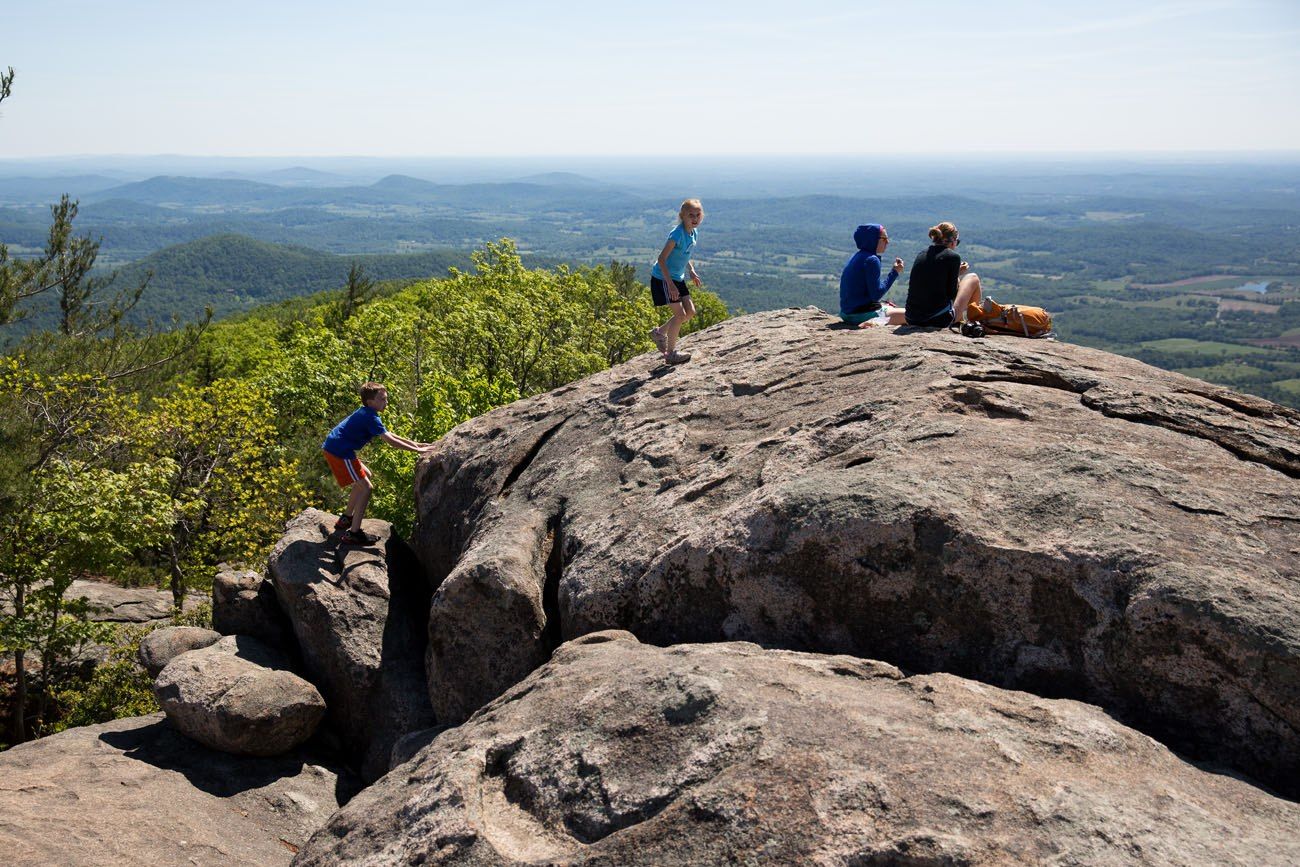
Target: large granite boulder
(621,753)
(1030,514)
(359,617)
(135,791)
(239,696)
(163,645)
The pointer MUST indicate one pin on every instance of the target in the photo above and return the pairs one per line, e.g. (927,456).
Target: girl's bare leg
(968,292)
(682,312)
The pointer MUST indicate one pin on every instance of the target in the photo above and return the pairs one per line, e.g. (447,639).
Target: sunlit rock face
(1030,514)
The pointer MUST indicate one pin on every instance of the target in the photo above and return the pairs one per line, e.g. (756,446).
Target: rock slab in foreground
(238,696)
(621,753)
(1027,513)
(359,617)
(135,791)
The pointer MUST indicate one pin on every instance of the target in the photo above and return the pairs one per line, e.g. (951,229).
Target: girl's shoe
(676,357)
(359,537)
(343,523)
(660,339)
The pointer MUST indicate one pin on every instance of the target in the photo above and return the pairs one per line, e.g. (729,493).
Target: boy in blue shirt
(341,448)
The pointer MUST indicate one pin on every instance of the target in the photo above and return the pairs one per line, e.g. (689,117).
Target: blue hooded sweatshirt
(861,286)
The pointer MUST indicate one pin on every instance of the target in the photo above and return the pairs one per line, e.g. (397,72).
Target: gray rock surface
(239,696)
(163,645)
(244,603)
(359,616)
(618,753)
(1031,514)
(135,791)
(114,604)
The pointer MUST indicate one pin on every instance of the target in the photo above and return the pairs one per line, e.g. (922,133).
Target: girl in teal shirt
(668,280)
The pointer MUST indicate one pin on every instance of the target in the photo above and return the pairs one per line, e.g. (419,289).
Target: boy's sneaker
(359,537)
(343,523)
(660,339)
(676,357)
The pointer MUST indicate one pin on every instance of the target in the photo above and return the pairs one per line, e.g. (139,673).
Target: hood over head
(868,236)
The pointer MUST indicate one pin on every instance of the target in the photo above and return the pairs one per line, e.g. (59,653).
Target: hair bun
(943,232)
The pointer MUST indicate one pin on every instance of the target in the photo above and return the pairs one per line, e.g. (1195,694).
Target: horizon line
(660,157)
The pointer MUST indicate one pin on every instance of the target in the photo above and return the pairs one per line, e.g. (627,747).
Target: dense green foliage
(448,350)
(137,456)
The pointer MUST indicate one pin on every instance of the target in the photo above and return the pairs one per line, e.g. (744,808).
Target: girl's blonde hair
(943,233)
(689,205)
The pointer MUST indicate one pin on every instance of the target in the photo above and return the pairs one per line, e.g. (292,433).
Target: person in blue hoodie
(861,284)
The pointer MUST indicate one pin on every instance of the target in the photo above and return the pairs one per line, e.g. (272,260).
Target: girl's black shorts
(660,294)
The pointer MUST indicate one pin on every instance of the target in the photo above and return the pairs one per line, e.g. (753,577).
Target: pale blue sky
(499,77)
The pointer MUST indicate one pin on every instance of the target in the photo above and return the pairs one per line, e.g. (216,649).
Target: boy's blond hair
(370,389)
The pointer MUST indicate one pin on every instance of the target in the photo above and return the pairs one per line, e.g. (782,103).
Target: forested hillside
(234,273)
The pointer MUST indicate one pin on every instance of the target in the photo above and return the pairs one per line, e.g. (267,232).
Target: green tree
(358,290)
(81,507)
(227,477)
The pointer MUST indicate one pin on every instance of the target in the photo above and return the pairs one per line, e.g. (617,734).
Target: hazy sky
(499,77)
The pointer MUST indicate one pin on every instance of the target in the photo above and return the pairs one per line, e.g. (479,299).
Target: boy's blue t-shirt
(353,433)
(680,254)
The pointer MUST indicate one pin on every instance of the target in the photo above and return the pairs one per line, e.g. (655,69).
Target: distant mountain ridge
(558,190)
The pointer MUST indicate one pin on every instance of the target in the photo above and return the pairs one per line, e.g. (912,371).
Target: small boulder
(163,645)
(243,603)
(238,696)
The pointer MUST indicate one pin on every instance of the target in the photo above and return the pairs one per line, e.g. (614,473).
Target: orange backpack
(1011,318)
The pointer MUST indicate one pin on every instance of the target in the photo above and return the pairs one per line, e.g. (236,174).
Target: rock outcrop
(621,753)
(135,791)
(239,696)
(359,618)
(163,645)
(113,604)
(1029,514)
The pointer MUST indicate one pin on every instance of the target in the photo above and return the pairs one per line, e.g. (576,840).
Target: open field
(1234,304)
(1202,347)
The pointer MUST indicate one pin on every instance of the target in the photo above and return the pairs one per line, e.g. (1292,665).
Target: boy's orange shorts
(346,470)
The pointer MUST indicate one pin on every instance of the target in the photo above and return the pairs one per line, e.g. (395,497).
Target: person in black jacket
(941,285)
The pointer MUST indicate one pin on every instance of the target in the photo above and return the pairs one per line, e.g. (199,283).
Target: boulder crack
(518,469)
